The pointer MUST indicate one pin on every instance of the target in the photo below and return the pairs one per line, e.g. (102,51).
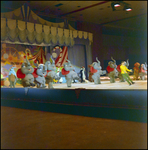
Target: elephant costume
(69,73)
(51,73)
(96,70)
(25,73)
(112,71)
(12,77)
(143,71)
(119,71)
(39,73)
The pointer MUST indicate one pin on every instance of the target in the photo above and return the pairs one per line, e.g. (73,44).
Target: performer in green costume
(125,74)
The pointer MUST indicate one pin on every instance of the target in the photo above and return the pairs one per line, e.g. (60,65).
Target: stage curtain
(46,29)
(61,25)
(53,31)
(39,35)
(31,33)
(12,34)
(7,15)
(22,31)
(48,23)
(76,55)
(60,32)
(91,37)
(21,25)
(34,16)
(72,42)
(61,38)
(75,34)
(67,40)
(11,24)
(71,38)
(12,30)
(47,38)
(54,39)
(3,29)
(54,36)
(55,24)
(17,12)
(46,34)
(85,35)
(66,35)
(71,34)
(80,34)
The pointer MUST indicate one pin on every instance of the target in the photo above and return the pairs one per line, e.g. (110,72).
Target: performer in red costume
(143,71)
(112,71)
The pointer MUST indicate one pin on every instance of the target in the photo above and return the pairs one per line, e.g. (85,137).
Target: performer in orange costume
(136,71)
(90,75)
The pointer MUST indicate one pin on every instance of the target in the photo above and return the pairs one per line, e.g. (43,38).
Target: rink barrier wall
(129,105)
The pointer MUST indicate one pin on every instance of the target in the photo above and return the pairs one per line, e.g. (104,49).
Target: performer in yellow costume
(125,74)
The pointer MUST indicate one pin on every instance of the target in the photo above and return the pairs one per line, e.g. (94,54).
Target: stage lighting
(127,7)
(116,4)
(112,5)
(123,6)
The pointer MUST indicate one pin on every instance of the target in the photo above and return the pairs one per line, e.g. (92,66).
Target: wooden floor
(30,129)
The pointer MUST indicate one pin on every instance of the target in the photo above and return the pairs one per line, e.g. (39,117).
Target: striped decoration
(61,59)
(23,12)
(41,55)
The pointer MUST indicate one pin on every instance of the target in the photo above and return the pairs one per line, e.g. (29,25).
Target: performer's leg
(129,78)
(126,78)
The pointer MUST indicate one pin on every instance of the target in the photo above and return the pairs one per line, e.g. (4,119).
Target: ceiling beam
(122,19)
(84,8)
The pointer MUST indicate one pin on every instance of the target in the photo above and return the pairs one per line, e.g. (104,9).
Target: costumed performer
(125,74)
(136,71)
(12,77)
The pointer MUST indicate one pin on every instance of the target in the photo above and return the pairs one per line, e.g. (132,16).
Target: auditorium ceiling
(98,12)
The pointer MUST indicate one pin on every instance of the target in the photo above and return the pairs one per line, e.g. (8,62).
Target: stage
(106,100)
(139,84)
(105,84)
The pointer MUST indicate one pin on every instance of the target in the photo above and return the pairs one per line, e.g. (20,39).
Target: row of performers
(139,71)
(45,73)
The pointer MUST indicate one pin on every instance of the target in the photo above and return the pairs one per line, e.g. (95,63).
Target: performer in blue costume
(12,77)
